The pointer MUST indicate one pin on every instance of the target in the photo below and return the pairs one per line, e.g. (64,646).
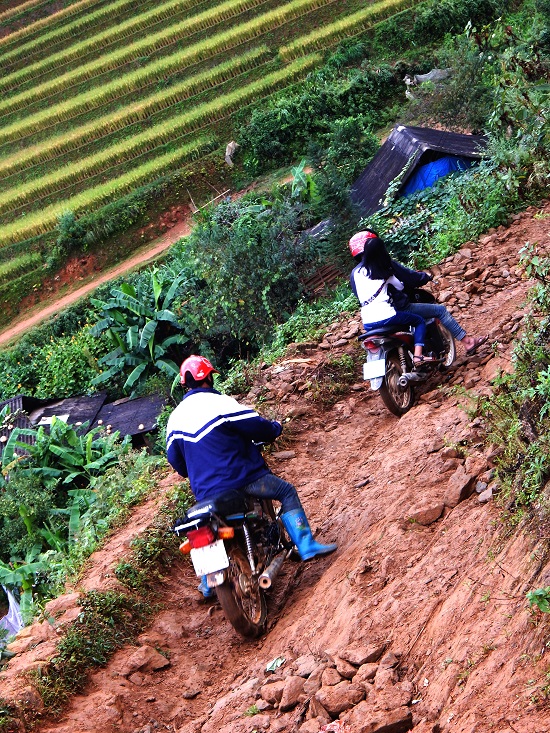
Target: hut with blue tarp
(422,155)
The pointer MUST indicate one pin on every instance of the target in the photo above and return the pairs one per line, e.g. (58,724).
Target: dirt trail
(424,573)
(42,312)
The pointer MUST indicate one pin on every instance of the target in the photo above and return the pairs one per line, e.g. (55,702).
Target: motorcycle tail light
(201,537)
(371,345)
(226,533)
(185,547)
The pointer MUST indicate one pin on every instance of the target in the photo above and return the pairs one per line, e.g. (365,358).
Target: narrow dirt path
(423,571)
(42,312)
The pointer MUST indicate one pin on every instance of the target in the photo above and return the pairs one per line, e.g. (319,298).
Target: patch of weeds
(8,723)
(251,711)
(332,379)
(151,550)
(107,621)
(155,548)
(539,598)
(465,673)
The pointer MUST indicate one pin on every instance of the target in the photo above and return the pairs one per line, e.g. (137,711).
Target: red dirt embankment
(419,621)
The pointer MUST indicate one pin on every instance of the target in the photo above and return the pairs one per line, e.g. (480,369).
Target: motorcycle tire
(450,346)
(397,399)
(241,598)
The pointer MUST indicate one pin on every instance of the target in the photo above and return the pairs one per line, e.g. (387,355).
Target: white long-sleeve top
(380,308)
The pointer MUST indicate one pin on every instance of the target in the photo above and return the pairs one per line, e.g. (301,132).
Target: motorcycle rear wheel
(240,596)
(397,399)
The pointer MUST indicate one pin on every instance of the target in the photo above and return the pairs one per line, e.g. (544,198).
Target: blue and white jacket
(212,439)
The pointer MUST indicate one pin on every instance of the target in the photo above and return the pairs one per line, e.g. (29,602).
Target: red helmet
(198,367)
(357,242)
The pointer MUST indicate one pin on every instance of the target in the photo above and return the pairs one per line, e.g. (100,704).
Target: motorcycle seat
(381,331)
(232,502)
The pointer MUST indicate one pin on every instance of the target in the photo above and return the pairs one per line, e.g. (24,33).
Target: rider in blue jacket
(215,441)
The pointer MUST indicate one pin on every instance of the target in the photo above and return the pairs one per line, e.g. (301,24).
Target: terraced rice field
(102,97)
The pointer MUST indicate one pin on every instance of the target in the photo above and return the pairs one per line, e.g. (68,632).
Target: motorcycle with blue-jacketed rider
(236,539)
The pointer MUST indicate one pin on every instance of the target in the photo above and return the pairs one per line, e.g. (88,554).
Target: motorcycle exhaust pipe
(404,379)
(266,579)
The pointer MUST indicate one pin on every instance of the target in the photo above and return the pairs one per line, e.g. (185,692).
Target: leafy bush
(69,365)
(282,131)
(247,259)
(427,226)
(518,414)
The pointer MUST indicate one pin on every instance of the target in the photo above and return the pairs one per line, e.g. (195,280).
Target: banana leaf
(135,375)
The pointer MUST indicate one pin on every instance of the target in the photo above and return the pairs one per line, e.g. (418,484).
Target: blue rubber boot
(297,526)
(204,589)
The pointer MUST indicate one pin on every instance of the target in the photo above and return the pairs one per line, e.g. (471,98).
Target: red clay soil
(424,569)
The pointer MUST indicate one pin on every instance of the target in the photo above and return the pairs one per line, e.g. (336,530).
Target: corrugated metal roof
(370,188)
(131,417)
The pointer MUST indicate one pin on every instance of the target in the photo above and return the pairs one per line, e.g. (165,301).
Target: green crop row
(123,30)
(70,175)
(21,8)
(34,244)
(37,27)
(199,51)
(43,43)
(45,219)
(114,121)
(340,29)
(14,287)
(136,146)
(20,265)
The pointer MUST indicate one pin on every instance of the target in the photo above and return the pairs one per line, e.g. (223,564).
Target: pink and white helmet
(357,242)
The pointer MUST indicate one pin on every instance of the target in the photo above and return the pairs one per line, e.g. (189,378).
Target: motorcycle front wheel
(240,596)
(397,399)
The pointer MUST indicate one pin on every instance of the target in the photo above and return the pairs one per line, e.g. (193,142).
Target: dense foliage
(508,90)
(518,415)
(58,499)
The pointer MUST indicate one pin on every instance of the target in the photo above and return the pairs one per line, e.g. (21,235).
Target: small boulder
(345,669)
(272,692)
(426,513)
(362,719)
(459,487)
(340,697)
(330,677)
(293,688)
(144,659)
(362,654)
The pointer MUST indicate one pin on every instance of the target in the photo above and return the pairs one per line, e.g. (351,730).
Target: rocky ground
(418,622)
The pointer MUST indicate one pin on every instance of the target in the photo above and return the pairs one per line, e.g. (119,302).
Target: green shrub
(69,365)
(427,226)
(25,505)
(107,621)
(281,130)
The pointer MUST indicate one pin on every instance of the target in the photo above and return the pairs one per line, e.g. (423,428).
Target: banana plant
(143,328)
(64,455)
(22,575)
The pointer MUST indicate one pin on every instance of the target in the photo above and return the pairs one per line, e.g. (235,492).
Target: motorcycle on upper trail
(389,364)
(239,543)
